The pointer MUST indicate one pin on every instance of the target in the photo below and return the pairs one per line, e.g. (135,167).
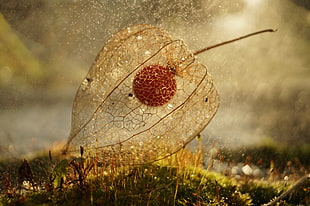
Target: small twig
(294,187)
(233,40)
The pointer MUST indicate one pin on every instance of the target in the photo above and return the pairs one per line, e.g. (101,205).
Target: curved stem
(233,40)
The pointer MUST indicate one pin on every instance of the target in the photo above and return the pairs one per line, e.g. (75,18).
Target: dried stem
(233,40)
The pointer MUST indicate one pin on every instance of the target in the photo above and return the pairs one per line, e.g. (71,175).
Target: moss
(85,182)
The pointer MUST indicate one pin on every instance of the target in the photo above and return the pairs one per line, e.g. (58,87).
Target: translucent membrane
(144,98)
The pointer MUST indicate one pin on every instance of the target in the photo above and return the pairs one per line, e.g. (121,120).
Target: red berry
(154,85)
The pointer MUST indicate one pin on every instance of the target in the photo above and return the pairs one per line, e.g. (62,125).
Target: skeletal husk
(111,124)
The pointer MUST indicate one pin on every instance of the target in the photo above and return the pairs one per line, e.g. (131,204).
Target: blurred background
(47,47)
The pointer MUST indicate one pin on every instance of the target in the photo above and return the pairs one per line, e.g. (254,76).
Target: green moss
(85,182)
